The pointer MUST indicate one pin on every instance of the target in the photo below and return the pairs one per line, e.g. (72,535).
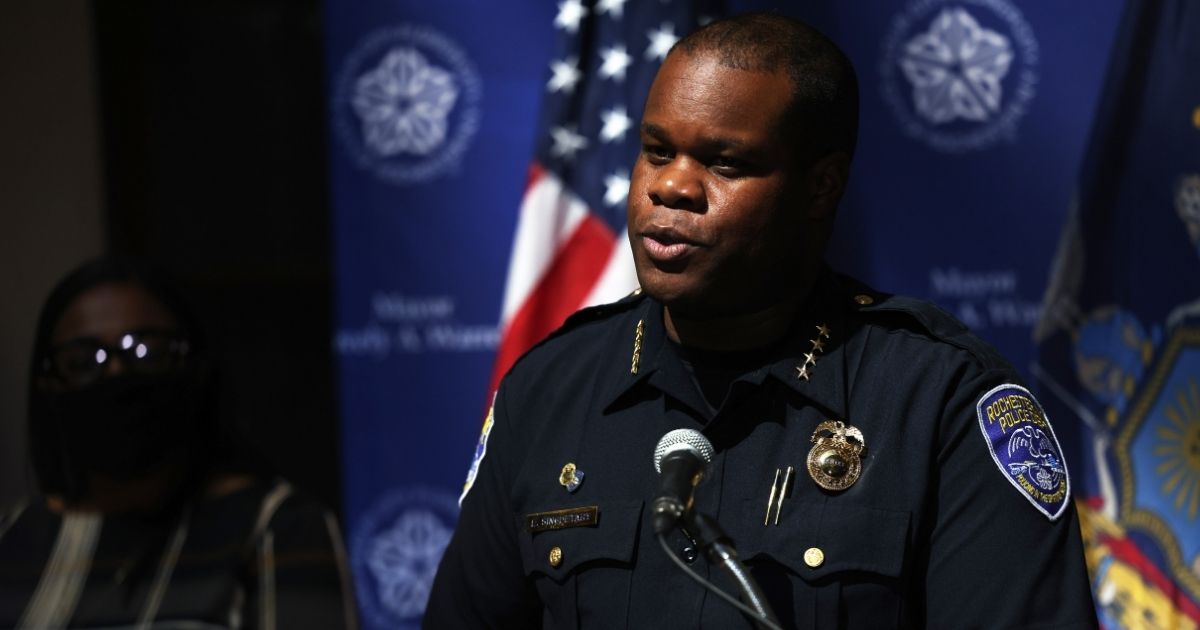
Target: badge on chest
(835,459)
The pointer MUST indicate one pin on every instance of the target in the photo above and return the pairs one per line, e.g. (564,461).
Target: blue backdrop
(957,195)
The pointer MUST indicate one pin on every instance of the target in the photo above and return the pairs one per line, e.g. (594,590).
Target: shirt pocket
(583,574)
(831,564)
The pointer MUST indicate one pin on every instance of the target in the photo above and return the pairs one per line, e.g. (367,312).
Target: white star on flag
(616,123)
(570,12)
(611,7)
(615,60)
(616,188)
(566,142)
(566,75)
(661,42)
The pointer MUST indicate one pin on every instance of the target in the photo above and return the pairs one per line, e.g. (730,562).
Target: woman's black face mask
(121,427)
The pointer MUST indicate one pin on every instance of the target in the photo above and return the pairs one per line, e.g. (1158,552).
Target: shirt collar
(813,348)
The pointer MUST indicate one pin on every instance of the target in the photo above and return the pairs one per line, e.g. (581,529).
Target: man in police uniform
(876,464)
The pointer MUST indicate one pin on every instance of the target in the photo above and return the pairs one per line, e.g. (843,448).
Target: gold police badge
(835,460)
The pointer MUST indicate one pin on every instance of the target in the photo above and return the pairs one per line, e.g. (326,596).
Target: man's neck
(735,332)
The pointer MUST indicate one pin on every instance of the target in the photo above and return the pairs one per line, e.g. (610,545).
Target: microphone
(681,459)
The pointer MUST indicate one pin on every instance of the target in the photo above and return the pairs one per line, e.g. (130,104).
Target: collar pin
(637,346)
(570,477)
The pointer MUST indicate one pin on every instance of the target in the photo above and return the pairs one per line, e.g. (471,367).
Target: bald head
(824,110)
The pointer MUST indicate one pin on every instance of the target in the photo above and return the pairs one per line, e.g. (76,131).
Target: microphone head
(689,440)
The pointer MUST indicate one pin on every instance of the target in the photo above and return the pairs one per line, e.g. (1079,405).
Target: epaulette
(598,312)
(926,317)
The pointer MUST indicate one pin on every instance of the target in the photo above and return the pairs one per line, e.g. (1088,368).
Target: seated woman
(149,516)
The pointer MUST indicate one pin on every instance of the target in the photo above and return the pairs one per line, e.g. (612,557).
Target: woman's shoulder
(265,505)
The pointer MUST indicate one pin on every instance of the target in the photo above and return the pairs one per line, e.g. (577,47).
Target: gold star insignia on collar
(810,358)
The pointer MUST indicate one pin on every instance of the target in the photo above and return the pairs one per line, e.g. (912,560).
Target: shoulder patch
(1024,447)
(480,452)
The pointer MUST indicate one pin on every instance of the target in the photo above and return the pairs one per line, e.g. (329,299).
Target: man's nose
(679,185)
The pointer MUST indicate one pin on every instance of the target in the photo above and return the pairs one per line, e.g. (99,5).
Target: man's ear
(827,179)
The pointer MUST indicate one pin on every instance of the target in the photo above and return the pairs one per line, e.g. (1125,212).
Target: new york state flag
(1119,335)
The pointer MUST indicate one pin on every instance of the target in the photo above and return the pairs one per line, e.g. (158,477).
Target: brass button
(556,556)
(862,299)
(813,557)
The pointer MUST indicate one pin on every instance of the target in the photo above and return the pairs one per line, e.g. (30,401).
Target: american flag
(570,248)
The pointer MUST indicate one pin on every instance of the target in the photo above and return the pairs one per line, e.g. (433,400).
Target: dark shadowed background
(191,135)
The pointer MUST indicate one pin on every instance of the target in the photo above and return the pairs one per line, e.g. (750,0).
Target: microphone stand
(718,548)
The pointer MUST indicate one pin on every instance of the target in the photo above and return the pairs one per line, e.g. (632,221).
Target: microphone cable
(731,600)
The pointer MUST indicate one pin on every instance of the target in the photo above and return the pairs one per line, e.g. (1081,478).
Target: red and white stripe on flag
(563,258)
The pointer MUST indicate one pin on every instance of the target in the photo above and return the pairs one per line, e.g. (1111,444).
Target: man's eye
(657,154)
(729,165)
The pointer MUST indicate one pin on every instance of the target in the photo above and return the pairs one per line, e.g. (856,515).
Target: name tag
(561,519)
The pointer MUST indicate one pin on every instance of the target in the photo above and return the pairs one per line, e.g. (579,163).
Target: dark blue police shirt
(933,533)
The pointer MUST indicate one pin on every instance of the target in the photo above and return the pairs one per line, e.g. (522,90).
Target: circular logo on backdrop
(395,550)
(959,75)
(406,104)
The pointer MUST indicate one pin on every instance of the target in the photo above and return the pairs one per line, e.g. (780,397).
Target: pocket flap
(848,538)
(613,538)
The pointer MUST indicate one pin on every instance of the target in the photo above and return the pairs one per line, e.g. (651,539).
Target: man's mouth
(666,245)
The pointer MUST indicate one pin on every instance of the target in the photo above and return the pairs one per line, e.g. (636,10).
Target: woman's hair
(118,271)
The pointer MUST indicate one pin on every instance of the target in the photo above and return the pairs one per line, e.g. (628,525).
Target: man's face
(718,200)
